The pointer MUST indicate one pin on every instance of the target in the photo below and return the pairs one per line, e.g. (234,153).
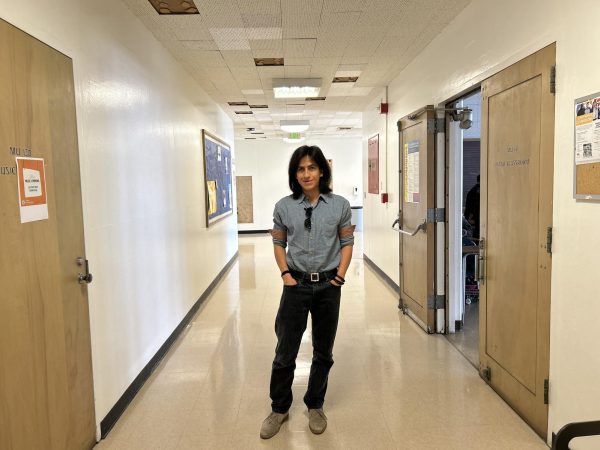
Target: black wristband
(340,277)
(285,272)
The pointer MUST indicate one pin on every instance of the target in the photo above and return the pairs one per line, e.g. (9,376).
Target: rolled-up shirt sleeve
(279,231)
(346,229)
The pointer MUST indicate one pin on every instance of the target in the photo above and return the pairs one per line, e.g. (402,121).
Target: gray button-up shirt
(317,249)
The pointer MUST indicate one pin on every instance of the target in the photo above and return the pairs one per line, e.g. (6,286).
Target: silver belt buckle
(314,277)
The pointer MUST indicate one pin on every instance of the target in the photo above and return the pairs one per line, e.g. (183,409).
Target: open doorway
(464,211)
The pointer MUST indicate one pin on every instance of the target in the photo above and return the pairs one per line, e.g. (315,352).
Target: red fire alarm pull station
(384,197)
(383,109)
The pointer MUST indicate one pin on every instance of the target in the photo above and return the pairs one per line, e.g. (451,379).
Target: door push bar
(422,227)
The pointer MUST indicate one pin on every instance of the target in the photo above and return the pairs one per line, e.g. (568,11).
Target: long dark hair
(317,156)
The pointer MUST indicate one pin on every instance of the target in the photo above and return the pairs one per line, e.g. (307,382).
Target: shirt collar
(324,197)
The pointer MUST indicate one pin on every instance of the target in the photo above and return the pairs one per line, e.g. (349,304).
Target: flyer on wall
(587,131)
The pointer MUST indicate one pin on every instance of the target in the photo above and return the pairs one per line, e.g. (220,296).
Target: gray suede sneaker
(271,425)
(317,420)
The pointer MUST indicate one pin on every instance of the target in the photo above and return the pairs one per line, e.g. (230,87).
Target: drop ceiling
(372,40)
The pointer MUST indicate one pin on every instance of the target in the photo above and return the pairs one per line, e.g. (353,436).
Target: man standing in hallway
(472,208)
(315,226)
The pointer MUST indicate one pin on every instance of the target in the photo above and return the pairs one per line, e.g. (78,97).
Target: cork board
(245,201)
(586,180)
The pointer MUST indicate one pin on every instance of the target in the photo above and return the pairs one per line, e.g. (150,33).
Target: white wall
(266,161)
(139,122)
(380,242)
(499,34)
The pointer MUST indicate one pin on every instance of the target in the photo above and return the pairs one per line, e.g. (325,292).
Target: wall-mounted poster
(218,178)
(411,172)
(587,147)
(373,167)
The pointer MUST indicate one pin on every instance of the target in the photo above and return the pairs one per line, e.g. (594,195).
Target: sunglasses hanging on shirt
(307,222)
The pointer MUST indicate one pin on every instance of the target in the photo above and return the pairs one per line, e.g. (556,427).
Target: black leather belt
(314,277)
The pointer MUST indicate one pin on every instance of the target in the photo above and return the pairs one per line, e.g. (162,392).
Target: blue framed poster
(217,175)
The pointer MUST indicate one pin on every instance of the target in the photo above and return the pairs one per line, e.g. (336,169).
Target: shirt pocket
(330,227)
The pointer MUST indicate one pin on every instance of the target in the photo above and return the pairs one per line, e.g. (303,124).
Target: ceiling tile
(299,48)
(235,58)
(199,45)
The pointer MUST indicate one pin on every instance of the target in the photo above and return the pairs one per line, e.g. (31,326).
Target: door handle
(84,278)
(421,227)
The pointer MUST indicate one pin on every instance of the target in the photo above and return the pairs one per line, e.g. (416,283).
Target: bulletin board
(373,165)
(217,177)
(586,180)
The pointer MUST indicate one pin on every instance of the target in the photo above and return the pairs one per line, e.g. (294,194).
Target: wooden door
(517,150)
(46,390)
(417,265)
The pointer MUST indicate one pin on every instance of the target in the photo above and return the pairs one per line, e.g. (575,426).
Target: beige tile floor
(392,386)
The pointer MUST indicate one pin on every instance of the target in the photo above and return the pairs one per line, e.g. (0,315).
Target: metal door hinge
(549,240)
(436,215)
(437,125)
(553,80)
(486,374)
(436,302)
(546,391)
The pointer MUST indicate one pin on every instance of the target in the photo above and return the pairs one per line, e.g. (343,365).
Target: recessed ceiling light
(296,87)
(294,126)
(174,6)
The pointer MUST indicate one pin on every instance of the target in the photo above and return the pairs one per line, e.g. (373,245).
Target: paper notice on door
(587,131)
(31,178)
(411,172)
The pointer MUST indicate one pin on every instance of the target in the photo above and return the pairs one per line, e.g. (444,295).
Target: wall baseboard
(119,408)
(382,274)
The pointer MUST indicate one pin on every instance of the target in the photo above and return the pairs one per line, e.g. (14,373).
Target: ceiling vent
(266,62)
(314,99)
(345,80)
(344,128)
(259,106)
(237,103)
(243,112)
(174,6)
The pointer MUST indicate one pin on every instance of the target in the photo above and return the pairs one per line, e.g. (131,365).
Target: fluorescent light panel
(296,87)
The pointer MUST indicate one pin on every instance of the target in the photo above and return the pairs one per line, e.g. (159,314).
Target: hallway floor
(392,385)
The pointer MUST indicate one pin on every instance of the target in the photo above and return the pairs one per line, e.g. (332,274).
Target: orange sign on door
(33,202)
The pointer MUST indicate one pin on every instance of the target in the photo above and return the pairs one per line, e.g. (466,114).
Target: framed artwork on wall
(373,165)
(217,177)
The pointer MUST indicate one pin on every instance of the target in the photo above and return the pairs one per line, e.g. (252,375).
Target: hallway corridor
(392,385)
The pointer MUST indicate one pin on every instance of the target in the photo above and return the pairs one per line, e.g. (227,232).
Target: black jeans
(322,300)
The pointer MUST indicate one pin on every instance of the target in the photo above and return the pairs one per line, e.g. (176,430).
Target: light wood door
(417,147)
(517,149)
(46,391)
